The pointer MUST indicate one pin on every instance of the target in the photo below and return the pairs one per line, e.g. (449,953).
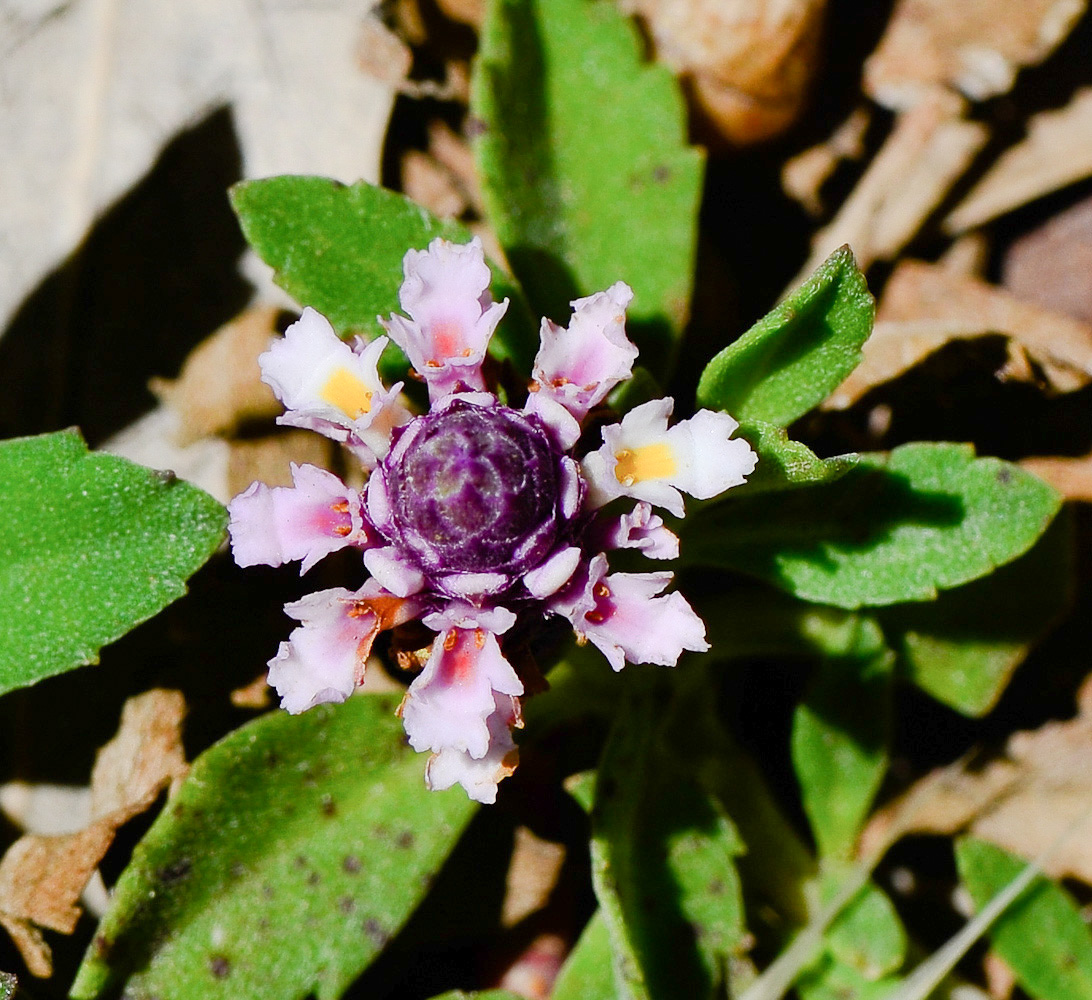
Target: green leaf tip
(90,546)
(295,850)
(585,167)
(799,353)
(339,249)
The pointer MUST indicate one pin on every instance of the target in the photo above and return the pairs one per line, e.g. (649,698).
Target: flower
(476,515)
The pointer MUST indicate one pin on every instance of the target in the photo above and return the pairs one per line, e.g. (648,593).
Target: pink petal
(623,617)
(448,704)
(324,659)
(639,529)
(316,516)
(445,292)
(578,366)
(480,776)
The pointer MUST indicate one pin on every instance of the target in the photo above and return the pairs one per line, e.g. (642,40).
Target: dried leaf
(125,76)
(924,306)
(927,151)
(382,54)
(1072,477)
(427,182)
(220,384)
(143,758)
(975,46)
(267,458)
(1022,801)
(804,175)
(1052,265)
(1057,151)
(748,63)
(532,875)
(41,877)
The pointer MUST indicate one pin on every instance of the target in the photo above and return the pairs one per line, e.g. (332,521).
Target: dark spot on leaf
(103,946)
(376,932)
(165,476)
(351,863)
(300,861)
(237,869)
(662,174)
(715,888)
(267,891)
(405,840)
(314,878)
(475,127)
(178,810)
(272,758)
(607,788)
(176,871)
(346,904)
(329,808)
(220,966)
(263,924)
(1004,475)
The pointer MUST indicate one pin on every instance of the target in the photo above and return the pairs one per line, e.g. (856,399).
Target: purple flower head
(475,514)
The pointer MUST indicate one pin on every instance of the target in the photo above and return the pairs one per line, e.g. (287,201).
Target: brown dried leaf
(41,877)
(924,306)
(804,175)
(532,875)
(1052,265)
(1072,477)
(1023,801)
(454,152)
(382,54)
(143,758)
(267,459)
(748,63)
(1057,151)
(464,11)
(220,384)
(929,148)
(427,182)
(975,46)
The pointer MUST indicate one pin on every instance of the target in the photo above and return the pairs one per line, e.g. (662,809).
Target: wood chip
(747,63)
(924,306)
(974,46)
(1056,152)
(220,384)
(929,148)
(41,876)
(1022,801)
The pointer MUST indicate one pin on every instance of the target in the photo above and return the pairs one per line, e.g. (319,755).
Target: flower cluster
(476,518)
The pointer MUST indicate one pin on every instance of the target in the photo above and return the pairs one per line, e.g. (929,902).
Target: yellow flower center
(635,465)
(345,391)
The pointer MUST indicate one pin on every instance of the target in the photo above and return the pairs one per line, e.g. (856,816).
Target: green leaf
(662,863)
(840,735)
(90,546)
(784,464)
(899,527)
(478,995)
(1042,935)
(584,164)
(294,851)
(587,973)
(830,979)
(868,935)
(963,647)
(799,353)
(339,249)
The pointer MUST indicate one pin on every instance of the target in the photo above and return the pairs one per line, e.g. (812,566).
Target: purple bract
(477,515)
